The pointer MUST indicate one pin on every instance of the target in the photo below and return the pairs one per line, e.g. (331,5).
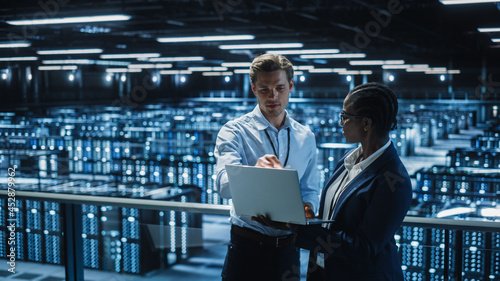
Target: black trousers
(249,260)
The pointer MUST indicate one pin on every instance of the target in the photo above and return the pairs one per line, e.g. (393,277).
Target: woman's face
(352,123)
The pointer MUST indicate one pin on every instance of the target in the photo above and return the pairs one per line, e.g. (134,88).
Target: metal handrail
(123,202)
(151,204)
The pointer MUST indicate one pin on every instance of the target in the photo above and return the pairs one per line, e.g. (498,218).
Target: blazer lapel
(366,175)
(351,188)
(338,171)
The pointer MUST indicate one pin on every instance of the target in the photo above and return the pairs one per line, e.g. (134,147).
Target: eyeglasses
(343,116)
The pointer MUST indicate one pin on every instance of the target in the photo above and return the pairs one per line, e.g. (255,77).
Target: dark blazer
(360,244)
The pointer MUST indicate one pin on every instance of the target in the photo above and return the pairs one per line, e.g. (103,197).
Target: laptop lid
(266,191)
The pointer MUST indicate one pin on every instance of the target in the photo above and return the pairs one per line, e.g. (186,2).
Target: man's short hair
(271,63)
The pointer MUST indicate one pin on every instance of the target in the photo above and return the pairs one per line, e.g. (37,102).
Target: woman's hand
(308,208)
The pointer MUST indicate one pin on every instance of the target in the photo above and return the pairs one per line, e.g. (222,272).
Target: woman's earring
(366,129)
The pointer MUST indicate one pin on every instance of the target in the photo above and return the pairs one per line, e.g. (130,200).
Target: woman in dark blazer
(367,196)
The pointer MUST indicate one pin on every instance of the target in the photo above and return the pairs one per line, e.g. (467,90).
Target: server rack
(172,145)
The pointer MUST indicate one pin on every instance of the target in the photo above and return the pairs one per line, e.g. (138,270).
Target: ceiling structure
(417,32)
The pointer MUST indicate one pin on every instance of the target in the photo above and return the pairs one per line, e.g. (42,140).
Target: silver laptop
(266,191)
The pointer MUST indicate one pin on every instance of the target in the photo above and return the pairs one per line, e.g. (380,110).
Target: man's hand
(308,208)
(264,220)
(269,161)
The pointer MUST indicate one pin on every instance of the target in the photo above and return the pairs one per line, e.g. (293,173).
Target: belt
(262,239)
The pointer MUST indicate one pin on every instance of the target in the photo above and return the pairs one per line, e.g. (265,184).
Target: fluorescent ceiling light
(334,56)
(158,65)
(376,62)
(395,66)
(122,70)
(171,72)
(303,67)
(356,72)
(86,61)
(304,52)
(453,71)
(455,2)
(70,20)
(58,67)
(261,46)
(130,56)
(14,45)
(489,29)
(236,64)
(70,52)
(205,38)
(226,73)
(165,59)
(82,61)
(327,70)
(418,68)
(19,59)
(437,69)
(242,71)
(298,72)
(495,40)
(203,68)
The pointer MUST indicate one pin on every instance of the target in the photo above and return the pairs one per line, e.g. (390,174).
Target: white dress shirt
(243,141)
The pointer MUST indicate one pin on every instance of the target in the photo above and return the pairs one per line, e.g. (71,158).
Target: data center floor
(206,264)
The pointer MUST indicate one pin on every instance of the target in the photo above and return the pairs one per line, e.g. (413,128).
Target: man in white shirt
(266,137)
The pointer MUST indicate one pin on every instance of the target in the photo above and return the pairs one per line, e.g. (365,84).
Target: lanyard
(274,149)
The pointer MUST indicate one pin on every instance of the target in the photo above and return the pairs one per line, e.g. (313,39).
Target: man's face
(273,91)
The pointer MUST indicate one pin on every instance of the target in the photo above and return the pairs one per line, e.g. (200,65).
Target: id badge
(320,260)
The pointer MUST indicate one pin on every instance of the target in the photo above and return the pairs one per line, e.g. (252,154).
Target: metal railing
(71,206)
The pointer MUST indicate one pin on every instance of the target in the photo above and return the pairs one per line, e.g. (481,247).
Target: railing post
(73,242)
(446,271)
(459,240)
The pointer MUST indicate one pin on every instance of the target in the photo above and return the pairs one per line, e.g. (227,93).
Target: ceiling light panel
(489,29)
(129,56)
(335,56)
(376,62)
(236,64)
(58,67)
(203,68)
(215,73)
(19,59)
(151,66)
(14,45)
(304,52)
(70,51)
(261,46)
(122,70)
(70,20)
(174,59)
(327,70)
(458,2)
(205,38)
(173,72)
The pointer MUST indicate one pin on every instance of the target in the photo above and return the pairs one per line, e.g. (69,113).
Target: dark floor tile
(51,278)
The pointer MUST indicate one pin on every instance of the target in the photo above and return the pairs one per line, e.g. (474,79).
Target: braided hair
(377,102)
